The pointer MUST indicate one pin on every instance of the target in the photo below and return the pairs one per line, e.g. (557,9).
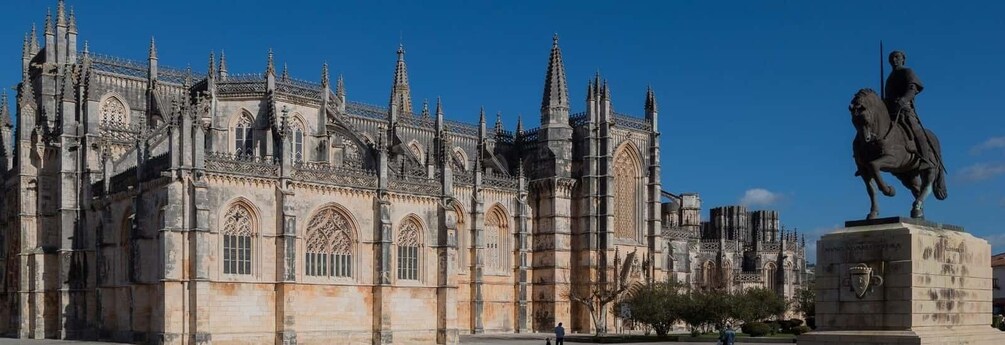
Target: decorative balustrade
(464,177)
(709,246)
(500,180)
(229,163)
(323,172)
(578,119)
(530,135)
(771,246)
(748,278)
(632,122)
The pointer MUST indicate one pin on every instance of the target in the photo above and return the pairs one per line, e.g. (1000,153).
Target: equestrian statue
(890,138)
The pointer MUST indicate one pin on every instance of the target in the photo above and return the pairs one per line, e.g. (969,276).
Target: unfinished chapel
(148,204)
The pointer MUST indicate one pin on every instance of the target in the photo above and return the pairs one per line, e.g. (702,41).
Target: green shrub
(812,322)
(756,329)
(800,330)
(774,326)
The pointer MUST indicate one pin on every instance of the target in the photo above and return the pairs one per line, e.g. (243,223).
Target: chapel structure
(150,204)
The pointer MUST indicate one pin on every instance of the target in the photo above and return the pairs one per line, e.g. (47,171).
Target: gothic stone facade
(149,204)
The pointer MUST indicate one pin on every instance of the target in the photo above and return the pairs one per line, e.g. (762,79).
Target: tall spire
(286,71)
(401,97)
(223,66)
(153,49)
(555,103)
(270,68)
(324,75)
(48,23)
(439,113)
(481,123)
(340,88)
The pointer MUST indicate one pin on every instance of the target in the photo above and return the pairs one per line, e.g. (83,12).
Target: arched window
(770,270)
(459,161)
(238,230)
(330,244)
(409,244)
(627,192)
(708,277)
(298,141)
(243,136)
(497,241)
(113,111)
(125,247)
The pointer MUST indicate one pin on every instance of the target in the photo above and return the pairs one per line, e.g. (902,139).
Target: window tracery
(244,136)
(114,111)
(238,231)
(627,192)
(409,244)
(330,245)
(496,241)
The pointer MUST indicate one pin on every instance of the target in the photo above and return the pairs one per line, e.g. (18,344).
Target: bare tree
(602,293)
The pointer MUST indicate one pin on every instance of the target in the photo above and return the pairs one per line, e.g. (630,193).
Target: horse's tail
(939,188)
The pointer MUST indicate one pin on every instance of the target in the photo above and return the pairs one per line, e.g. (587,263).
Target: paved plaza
(503,339)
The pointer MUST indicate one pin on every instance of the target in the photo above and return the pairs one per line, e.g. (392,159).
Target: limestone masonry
(149,204)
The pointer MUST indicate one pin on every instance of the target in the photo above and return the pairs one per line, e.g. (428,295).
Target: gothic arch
(408,241)
(417,150)
(627,191)
(300,132)
(463,237)
(459,159)
(770,270)
(331,238)
(242,132)
(497,240)
(114,109)
(239,230)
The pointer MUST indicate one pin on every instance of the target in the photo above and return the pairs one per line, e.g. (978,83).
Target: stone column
(286,251)
(552,252)
(446,279)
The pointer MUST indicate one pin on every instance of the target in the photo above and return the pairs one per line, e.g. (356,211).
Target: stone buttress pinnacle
(324,75)
(555,102)
(223,65)
(153,49)
(401,96)
(4,112)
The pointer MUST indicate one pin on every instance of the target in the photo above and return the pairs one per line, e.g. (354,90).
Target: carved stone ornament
(861,279)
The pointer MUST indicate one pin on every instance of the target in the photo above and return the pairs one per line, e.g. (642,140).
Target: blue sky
(753,94)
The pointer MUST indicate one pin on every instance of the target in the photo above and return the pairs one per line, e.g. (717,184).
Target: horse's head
(868,114)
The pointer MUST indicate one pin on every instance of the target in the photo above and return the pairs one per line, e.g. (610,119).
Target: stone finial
(401,96)
(87,50)
(499,124)
(286,72)
(270,67)
(212,64)
(425,109)
(519,125)
(481,123)
(651,107)
(4,112)
(48,23)
(61,13)
(34,40)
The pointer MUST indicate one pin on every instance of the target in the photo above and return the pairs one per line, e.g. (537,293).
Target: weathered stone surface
(935,286)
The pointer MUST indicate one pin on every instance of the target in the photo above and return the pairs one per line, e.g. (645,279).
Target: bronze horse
(881,145)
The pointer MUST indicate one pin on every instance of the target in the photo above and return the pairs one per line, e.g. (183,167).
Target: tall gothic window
(238,230)
(627,192)
(769,276)
(298,142)
(113,111)
(708,275)
(330,245)
(243,138)
(409,244)
(497,241)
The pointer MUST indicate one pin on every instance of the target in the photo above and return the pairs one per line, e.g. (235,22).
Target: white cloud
(982,171)
(759,197)
(990,144)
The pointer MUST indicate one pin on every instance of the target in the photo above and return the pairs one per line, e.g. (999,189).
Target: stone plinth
(902,281)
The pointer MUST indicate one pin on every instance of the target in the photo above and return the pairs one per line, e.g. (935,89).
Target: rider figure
(901,87)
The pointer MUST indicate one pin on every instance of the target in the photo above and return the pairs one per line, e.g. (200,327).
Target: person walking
(727,336)
(559,334)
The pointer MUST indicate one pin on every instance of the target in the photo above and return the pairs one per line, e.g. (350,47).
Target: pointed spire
(286,72)
(519,124)
(211,65)
(223,65)
(439,114)
(87,50)
(555,103)
(73,21)
(34,40)
(589,90)
(425,109)
(48,23)
(499,124)
(4,112)
(607,92)
(324,75)
(153,49)
(340,88)
(61,13)
(270,68)
(651,101)
(25,47)
(481,123)
(401,97)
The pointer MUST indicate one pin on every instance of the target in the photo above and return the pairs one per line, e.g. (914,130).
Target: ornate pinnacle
(212,64)
(73,21)
(519,124)
(223,65)
(153,49)
(340,87)
(324,75)
(270,68)
(555,103)
(425,109)
(86,51)
(499,124)
(61,13)
(4,112)
(286,71)
(48,22)
(34,39)
(651,101)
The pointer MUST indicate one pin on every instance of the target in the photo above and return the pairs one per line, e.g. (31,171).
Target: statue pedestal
(902,281)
